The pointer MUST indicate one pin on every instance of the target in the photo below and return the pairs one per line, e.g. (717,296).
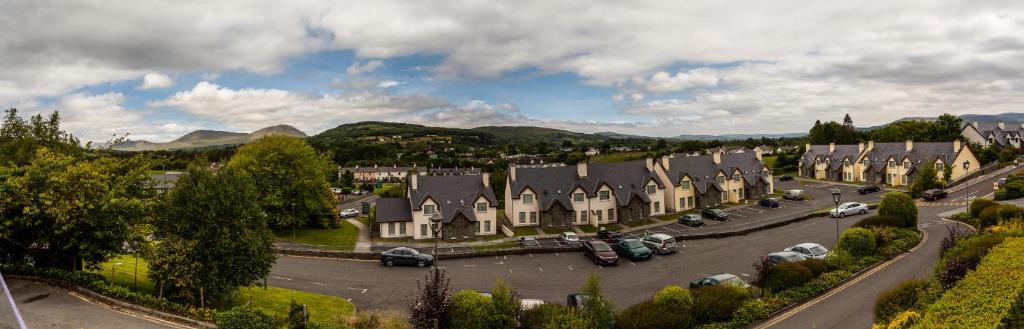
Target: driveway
(45,306)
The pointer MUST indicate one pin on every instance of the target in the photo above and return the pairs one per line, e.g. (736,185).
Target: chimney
(512,173)
(1002,126)
(487,179)
(649,163)
(807,147)
(975,124)
(910,145)
(581,169)
(412,181)
(956,145)
(664,162)
(871,146)
(831,147)
(860,148)
(717,157)
(758,154)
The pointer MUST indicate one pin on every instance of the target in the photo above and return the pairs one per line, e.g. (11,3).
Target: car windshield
(818,250)
(634,244)
(601,247)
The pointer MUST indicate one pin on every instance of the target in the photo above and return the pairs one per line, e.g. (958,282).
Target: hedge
(858,242)
(901,298)
(986,296)
(900,206)
(245,317)
(980,204)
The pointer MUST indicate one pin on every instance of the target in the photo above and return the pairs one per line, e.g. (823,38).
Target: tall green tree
(19,139)
(212,237)
(291,179)
(597,310)
(832,132)
(926,178)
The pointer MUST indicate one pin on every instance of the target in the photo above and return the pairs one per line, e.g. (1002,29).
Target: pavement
(45,306)
(363,242)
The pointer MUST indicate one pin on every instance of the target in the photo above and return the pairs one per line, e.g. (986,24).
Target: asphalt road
(45,306)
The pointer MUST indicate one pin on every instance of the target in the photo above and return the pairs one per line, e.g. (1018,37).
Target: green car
(632,249)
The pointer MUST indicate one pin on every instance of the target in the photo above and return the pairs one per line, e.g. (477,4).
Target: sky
(155,70)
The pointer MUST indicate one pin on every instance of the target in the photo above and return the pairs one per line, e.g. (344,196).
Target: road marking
(469,265)
(510,271)
(280,278)
(632,263)
(556,254)
(318,283)
(540,268)
(363,290)
(745,274)
(570,268)
(531,255)
(499,263)
(125,312)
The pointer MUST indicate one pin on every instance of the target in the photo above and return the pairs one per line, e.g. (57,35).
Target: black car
(405,256)
(716,214)
(769,202)
(575,301)
(609,236)
(868,189)
(690,220)
(784,178)
(934,194)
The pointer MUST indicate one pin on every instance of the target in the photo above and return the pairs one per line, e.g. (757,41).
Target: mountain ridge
(209,138)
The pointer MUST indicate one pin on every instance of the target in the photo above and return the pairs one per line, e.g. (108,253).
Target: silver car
(660,243)
(809,250)
(569,238)
(849,208)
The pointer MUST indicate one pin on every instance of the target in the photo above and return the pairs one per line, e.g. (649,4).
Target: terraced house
(987,134)
(887,163)
(699,181)
(583,194)
(464,204)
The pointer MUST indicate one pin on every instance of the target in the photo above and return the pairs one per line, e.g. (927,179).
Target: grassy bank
(342,238)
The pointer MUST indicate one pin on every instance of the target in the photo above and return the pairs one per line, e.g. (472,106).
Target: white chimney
(910,145)
(831,147)
(807,147)
(664,162)
(717,157)
(413,181)
(512,172)
(1002,126)
(758,153)
(956,145)
(581,169)
(860,148)
(975,124)
(649,163)
(871,146)
(487,179)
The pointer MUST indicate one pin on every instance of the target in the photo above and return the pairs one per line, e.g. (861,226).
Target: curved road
(45,306)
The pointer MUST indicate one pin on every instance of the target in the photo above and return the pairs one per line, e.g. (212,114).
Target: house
(728,149)
(583,194)
(376,173)
(700,181)
(1000,134)
(165,181)
(465,205)
(885,163)
(439,171)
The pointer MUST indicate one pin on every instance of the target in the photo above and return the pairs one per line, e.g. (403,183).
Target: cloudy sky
(159,69)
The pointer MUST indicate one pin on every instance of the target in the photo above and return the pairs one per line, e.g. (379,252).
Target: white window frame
(578,197)
(604,195)
(527,198)
(481,207)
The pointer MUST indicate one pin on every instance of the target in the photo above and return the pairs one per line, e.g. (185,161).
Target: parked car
(868,189)
(809,250)
(999,183)
(691,220)
(934,194)
(569,238)
(769,202)
(405,256)
(525,303)
(784,257)
(716,214)
(349,213)
(796,195)
(849,208)
(718,280)
(609,236)
(632,249)
(575,301)
(600,252)
(528,242)
(784,178)
(660,243)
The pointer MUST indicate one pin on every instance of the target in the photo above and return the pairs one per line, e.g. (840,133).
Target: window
(533,217)
(651,189)
(604,195)
(391,228)
(428,209)
(736,177)
(481,207)
(583,216)
(657,206)
(867,162)
(476,227)
(685,185)
(939,167)
(682,203)
(598,216)
(401,229)
(689,201)
(906,164)
(522,217)
(577,197)
(527,198)
(892,164)
(423,230)
(487,227)
(611,214)
(721,180)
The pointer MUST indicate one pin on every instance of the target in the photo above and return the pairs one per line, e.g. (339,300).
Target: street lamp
(435,226)
(967,166)
(835,197)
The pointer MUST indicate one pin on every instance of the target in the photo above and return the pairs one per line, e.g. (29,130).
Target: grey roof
(454,171)
(850,152)
(921,153)
(390,210)
(382,169)
(702,169)
(991,129)
(166,180)
(555,184)
(453,194)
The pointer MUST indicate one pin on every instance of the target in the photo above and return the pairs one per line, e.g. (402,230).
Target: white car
(809,250)
(569,238)
(349,213)
(849,208)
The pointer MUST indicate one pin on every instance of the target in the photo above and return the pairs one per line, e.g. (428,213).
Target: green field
(556,229)
(123,273)
(525,230)
(770,161)
(343,238)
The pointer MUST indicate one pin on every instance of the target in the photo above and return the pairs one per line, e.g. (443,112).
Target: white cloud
(156,81)
(388,83)
(99,118)
(358,68)
(666,82)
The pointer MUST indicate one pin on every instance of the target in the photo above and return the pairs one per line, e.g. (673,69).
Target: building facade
(701,181)
(886,163)
(464,205)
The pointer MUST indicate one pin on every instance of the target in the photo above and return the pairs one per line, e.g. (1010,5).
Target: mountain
(1004,117)
(527,135)
(615,135)
(729,137)
(209,138)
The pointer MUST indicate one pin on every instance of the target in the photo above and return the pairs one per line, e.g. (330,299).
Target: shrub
(965,217)
(839,259)
(989,216)
(471,310)
(816,266)
(979,204)
(985,297)
(430,304)
(901,240)
(649,314)
(878,221)
(507,306)
(898,299)
(787,275)
(901,207)
(298,316)
(675,296)
(717,303)
(957,261)
(377,319)
(552,316)
(1012,190)
(752,310)
(597,310)
(245,317)
(858,242)
(904,320)
(1009,212)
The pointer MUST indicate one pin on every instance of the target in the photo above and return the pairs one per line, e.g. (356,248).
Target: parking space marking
(280,278)
(570,268)
(540,268)
(632,263)
(469,265)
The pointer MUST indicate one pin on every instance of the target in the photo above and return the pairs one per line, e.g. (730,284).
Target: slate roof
(555,184)
(166,180)
(391,210)
(1011,129)
(453,194)
(382,169)
(454,171)
(851,152)
(703,170)
(921,153)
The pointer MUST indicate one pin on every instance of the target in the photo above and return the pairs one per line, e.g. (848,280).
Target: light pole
(835,197)
(967,167)
(435,226)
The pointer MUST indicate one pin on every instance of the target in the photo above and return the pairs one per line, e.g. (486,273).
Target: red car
(600,252)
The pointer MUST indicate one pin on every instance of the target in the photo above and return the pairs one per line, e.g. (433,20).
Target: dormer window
(685,185)
(906,164)
(428,209)
(736,177)
(527,198)
(651,189)
(721,180)
(892,164)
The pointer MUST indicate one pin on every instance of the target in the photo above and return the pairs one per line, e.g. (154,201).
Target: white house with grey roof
(886,163)
(1002,134)
(700,181)
(465,204)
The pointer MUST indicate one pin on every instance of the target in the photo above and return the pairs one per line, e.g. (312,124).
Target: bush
(1012,190)
(245,317)
(878,221)
(377,319)
(471,310)
(816,266)
(900,240)
(963,257)
(787,275)
(507,306)
(675,296)
(552,316)
(751,311)
(1009,212)
(899,206)
(904,320)
(649,314)
(979,204)
(429,305)
(985,297)
(898,299)
(298,316)
(965,217)
(858,242)
(989,216)
(717,303)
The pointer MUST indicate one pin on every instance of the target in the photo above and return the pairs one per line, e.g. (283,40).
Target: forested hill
(405,132)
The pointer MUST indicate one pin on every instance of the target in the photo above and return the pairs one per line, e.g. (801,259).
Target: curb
(115,304)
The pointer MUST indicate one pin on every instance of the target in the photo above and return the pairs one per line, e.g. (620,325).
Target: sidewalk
(971,183)
(363,243)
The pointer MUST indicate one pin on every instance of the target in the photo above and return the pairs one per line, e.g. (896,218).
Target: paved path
(363,243)
(45,306)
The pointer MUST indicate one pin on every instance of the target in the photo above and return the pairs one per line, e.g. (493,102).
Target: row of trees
(945,128)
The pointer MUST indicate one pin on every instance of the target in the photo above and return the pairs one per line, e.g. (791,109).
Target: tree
(948,127)
(470,310)
(212,237)
(428,307)
(848,122)
(20,139)
(900,206)
(347,179)
(291,180)
(507,306)
(597,310)
(927,178)
(831,132)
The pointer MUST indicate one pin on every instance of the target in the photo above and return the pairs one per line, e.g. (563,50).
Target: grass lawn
(497,246)
(639,223)
(124,272)
(618,157)
(612,227)
(343,238)
(588,228)
(405,239)
(364,219)
(556,229)
(524,230)
(769,161)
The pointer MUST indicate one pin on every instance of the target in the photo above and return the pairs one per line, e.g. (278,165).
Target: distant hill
(1004,117)
(209,138)
(615,135)
(729,137)
(525,135)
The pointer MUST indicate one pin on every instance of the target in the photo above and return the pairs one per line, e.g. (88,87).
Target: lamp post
(835,197)
(967,167)
(435,226)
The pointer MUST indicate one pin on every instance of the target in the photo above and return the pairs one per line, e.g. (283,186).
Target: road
(45,306)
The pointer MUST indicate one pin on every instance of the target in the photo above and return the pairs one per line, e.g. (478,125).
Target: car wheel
(842,214)
(421,264)
(862,211)
(389,262)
